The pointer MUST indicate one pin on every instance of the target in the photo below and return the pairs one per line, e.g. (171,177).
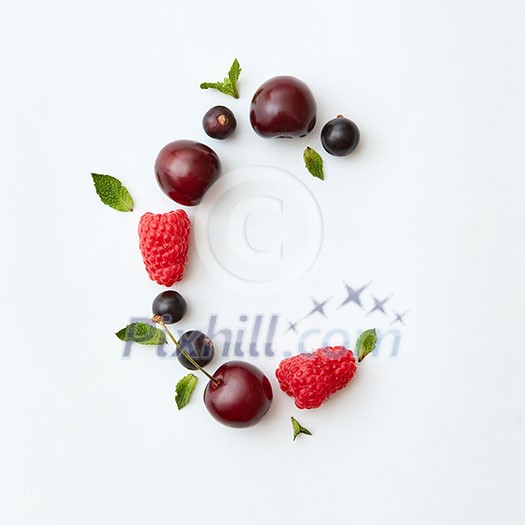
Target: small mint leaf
(211,85)
(229,85)
(233,77)
(184,389)
(299,429)
(313,162)
(366,343)
(224,87)
(142,333)
(112,192)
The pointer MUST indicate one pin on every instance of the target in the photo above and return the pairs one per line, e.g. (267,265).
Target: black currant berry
(170,305)
(340,136)
(198,345)
(219,122)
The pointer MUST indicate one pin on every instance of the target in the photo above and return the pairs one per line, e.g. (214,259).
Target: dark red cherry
(241,396)
(185,169)
(219,122)
(283,107)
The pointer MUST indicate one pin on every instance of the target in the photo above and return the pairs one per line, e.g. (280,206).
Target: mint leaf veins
(142,333)
(313,162)
(184,389)
(112,192)
(366,343)
(229,85)
(299,429)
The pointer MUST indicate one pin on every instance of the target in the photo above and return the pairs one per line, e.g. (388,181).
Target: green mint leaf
(142,333)
(313,162)
(233,77)
(223,87)
(366,343)
(229,85)
(213,85)
(299,429)
(112,193)
(184,389)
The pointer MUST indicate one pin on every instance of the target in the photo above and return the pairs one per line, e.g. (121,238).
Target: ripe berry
(185,170)
(312,378)
(340,136)
(198,346)
(283,107)
(219,122)
(170,305)
(164,240)
(239,396)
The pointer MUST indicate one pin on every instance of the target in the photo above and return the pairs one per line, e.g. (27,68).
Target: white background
(430,208)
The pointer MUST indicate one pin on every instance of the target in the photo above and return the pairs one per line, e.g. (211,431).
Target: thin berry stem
(158,319)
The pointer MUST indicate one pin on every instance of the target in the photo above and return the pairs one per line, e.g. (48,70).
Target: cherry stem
(158,319)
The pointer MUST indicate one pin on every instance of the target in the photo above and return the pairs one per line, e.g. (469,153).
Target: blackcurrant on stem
(158,319)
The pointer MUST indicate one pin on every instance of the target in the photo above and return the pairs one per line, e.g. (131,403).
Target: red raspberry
(312,378)
(164,239)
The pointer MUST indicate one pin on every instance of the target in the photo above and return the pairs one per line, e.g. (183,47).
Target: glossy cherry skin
(283,107)
(219,122)
(185,169)
(242,397)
